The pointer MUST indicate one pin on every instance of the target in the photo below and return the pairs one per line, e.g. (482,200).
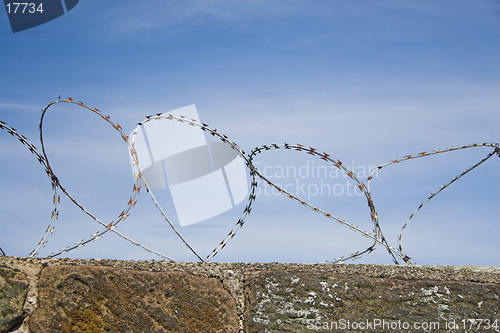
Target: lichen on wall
(69,295)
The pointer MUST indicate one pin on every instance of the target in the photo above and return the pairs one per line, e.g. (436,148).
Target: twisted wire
(43,159)
(376,235)
(56,198)
(223,138)
(496,150)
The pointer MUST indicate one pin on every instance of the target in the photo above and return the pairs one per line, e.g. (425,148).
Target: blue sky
(364,81)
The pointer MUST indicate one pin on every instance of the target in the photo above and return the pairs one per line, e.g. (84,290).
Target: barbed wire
(44,161)
(496,150)
(377,235)
(139,181)
(224,139)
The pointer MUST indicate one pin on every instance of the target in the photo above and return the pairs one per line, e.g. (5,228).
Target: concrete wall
(67,295)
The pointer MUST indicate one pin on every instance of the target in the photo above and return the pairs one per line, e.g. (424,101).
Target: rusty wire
(376,235)
(44,161)
(224,139)
(496,150)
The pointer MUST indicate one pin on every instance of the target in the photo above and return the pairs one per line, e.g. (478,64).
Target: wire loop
(376,235)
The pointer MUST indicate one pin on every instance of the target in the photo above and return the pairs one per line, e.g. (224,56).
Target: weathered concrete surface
(100,298)
(13,292)
(66,295)
(319,299)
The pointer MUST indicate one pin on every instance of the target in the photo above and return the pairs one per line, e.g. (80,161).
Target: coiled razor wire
(223,138)
(376,235)
(44,161)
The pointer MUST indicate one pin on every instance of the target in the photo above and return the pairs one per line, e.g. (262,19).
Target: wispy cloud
(7,106)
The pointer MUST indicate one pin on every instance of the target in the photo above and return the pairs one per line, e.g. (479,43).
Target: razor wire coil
(139,181)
